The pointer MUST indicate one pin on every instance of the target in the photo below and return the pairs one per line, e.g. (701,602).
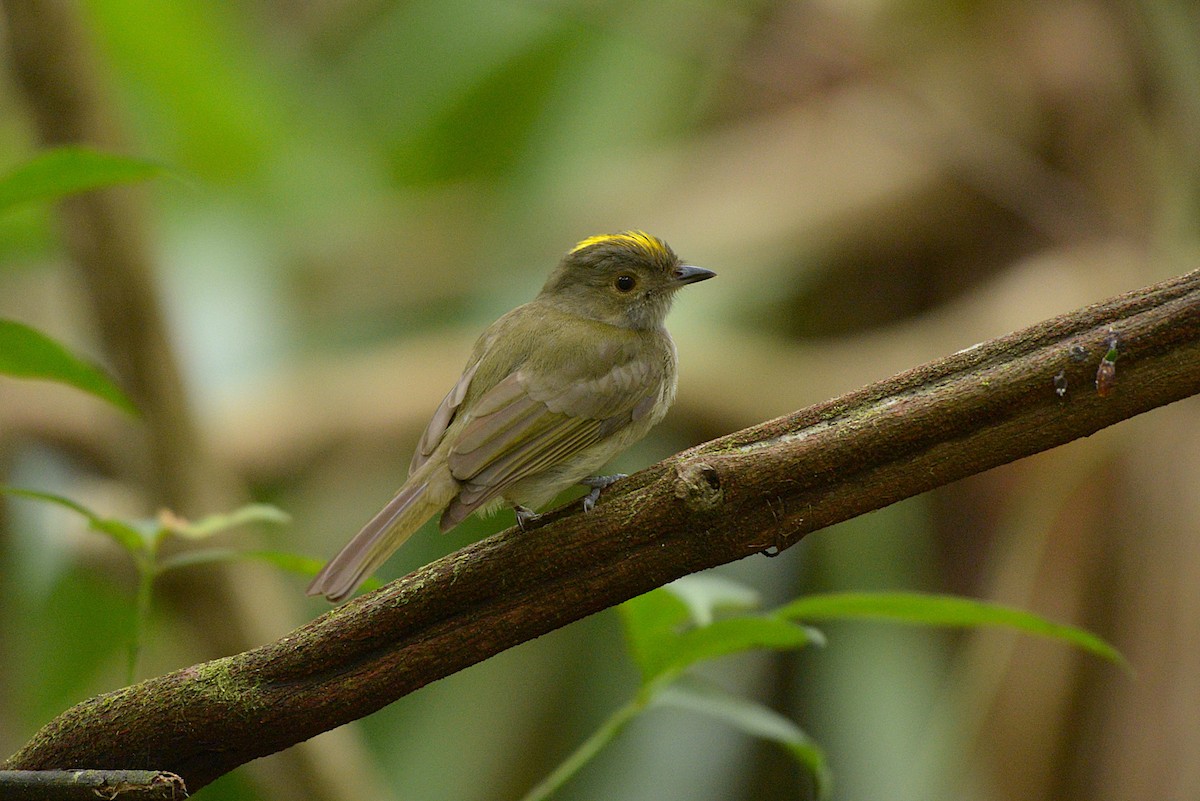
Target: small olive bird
(551,392)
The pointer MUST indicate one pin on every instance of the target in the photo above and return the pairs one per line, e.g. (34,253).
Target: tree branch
(765,486)
(89,785)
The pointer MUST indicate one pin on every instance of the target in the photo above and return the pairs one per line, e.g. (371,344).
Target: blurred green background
(360,186)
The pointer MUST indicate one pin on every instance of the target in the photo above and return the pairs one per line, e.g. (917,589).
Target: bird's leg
(598,483)
(525,515)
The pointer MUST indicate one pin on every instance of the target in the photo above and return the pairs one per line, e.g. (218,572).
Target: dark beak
(688,274)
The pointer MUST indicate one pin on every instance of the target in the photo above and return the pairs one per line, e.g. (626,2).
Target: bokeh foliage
(365,184)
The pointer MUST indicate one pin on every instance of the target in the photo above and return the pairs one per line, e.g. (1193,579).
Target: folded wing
(532,420)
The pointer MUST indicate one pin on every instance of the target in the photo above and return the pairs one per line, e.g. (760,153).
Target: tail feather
(379,538)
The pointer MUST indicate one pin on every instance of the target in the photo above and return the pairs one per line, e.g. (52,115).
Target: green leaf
(27,353)
(70,170)
(661,641)
(941,610)
(733,636)
(295,563)
(291,562)
(751,718)
(284,560)
(705,594)
(125,535)
(215,524)
(652,624)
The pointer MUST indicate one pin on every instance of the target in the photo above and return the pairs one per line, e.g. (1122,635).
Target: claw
(525,515)
(598,483)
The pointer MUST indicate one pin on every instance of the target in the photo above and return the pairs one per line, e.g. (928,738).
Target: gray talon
(525,515)
(598,483)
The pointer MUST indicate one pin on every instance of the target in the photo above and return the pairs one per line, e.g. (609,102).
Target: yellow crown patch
(639,239)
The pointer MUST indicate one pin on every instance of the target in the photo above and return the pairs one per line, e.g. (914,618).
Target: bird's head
(626,279)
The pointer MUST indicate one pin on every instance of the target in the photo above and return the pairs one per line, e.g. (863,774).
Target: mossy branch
(89,785)
(763,487)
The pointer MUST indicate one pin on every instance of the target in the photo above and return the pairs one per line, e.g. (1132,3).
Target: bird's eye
(625,283)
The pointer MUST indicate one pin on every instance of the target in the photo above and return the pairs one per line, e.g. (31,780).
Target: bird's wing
(442,418)
(530,421)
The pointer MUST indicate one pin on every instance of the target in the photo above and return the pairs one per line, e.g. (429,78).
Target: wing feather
(541,415)
(442,418)
(492,482)
(494,426)
(553,444)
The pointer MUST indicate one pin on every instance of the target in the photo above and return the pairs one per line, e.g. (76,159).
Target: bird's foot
(598,483)
(525,515)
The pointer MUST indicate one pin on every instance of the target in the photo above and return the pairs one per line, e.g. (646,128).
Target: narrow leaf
(284,560)
(125,535)
(70,170)
(751,718)
(214,524)
(733,636)
(662,640)
(705,594)
(295,563)
(941,610)
(653,622)
(27,353)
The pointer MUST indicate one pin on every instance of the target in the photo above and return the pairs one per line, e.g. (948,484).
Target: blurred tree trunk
(52,61)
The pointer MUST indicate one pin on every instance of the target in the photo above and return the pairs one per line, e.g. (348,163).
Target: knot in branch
(698,485)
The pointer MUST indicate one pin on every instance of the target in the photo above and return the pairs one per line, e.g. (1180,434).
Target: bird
(550,393)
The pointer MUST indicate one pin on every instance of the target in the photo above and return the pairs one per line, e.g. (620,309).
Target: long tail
(379,538)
